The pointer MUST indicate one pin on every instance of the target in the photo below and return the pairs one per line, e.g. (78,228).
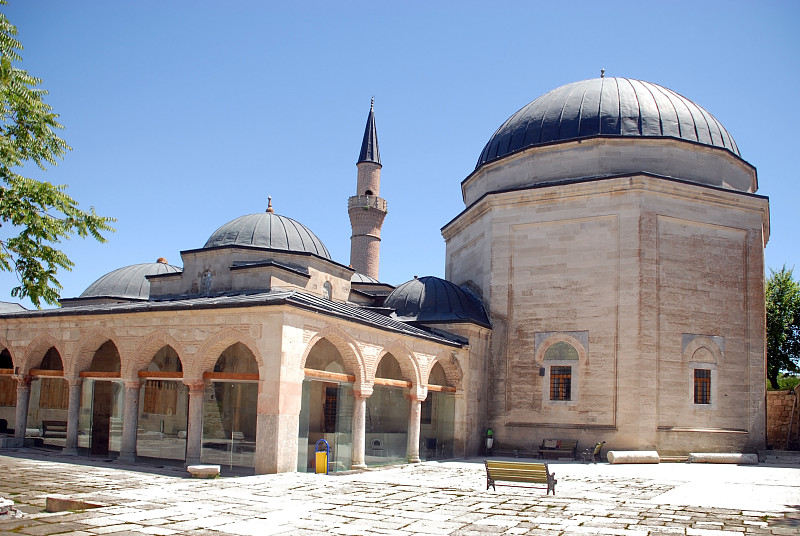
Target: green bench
(524,472)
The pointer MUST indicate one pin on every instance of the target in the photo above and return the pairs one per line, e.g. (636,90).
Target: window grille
(560,383)
(702,386)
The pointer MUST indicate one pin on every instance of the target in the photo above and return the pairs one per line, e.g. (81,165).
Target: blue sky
(184,115)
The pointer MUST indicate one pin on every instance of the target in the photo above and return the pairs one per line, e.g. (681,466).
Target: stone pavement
(424,499)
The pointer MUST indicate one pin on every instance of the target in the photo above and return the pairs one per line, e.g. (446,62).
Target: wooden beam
(392,383)
(98,374)
(324,375)
(47,373)
(160,375)
(441,388)
(232,376)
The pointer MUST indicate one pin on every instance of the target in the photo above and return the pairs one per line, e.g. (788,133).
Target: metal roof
(433,300)
(268,230)
(369,145)
(128,282)
(618,107)
(346,311)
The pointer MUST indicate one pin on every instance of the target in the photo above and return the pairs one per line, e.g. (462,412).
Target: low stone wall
(779,411)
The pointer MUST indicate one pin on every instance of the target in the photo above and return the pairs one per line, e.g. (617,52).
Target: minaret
(366,208)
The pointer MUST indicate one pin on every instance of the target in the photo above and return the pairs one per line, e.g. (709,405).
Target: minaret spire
(369,145)
(366,209)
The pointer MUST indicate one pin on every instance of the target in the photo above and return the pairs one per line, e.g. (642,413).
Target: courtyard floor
(433,498)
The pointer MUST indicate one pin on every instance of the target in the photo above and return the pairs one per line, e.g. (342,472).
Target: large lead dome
(268,230)
(610,107)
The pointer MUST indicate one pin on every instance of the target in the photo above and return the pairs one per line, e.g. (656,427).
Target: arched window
(704,355)
(561,368)
(327,290)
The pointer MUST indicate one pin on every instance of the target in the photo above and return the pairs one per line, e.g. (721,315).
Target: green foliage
(787,383)
(783,325)
(34,215)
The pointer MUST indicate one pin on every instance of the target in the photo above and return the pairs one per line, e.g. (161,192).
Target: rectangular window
(560,383)
(702,386)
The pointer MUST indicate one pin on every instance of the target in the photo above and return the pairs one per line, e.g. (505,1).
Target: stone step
(783,457)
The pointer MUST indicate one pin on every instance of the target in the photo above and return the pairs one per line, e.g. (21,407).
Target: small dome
(129,282)
(432,299)
(616,107)
(268,230)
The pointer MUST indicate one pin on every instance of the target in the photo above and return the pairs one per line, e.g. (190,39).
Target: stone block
(204,471)
(62,503)
(633,456)
(723,457)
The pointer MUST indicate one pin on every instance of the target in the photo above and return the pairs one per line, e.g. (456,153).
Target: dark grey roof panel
(320,305)
(128,282)
(606,107)
(268,230)
(369,145)
(432,300)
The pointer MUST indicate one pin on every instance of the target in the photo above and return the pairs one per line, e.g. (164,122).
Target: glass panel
(326,412)
(47,412)
(437,425)
(229,423)
(387,426)
(8,403)
(101,415)
(163,414)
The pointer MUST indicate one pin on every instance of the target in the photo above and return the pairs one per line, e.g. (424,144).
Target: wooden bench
(54,428)
(526,472)
(558,448)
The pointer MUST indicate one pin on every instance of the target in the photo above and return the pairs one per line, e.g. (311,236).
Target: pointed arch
(213,346)
(146,349)
(347,347)
(448,360)
(88,345)
(409,365)
(16,358)
(36,349)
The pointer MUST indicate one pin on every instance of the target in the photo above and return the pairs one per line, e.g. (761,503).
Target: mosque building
(604,282)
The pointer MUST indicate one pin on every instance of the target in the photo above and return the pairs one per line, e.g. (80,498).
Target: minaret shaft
(367,209)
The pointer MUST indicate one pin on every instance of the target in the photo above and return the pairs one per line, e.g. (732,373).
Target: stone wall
(779,411)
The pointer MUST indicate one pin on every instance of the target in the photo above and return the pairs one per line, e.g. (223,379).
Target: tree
(34,216)
(783,324)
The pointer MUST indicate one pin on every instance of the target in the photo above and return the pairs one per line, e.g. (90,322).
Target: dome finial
(269,204)
(602,73)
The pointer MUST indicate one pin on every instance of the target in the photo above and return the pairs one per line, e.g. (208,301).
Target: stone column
(194,428)
(23,399)
(359,423)
(413,430)
(130,421)
(73,416)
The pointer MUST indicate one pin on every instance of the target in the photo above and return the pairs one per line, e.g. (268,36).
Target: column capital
(74,382)
(132,384)
(195,386)
(364,392)
(23,382)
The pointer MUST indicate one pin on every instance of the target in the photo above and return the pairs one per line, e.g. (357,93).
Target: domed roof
(268,230)
(432,299)
(129,281)
(606,107)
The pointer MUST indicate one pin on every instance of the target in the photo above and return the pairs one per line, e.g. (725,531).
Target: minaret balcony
(366,202)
